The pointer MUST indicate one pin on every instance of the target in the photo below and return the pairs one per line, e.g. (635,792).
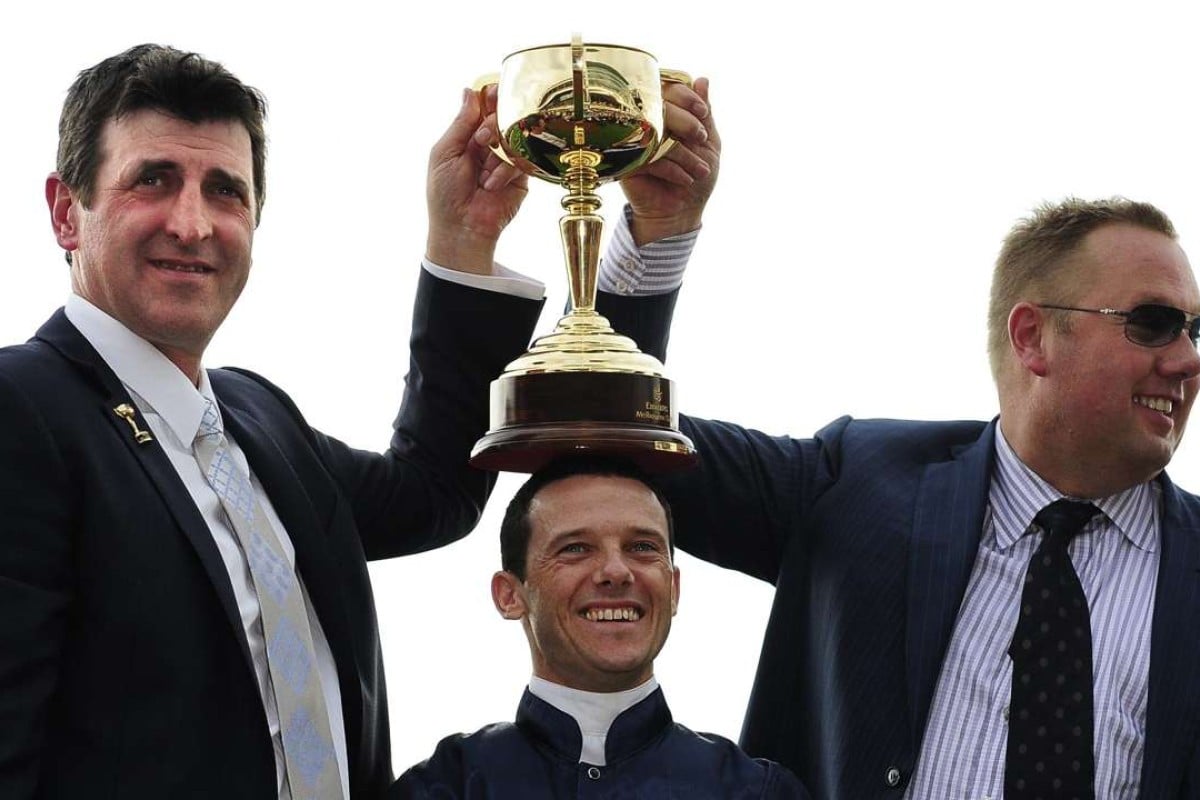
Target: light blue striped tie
(312,772)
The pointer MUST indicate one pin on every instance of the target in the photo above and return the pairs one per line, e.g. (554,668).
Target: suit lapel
(59,333)
(946,529)
(316,561)
(1174,648)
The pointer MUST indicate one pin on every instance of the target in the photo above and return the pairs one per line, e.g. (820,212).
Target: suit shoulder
(743,775)
(241,381)
(1176,496)
(251,391)
(712,746)
(919,440)
(496,734)
(27,359)
(40,375)
(455,758)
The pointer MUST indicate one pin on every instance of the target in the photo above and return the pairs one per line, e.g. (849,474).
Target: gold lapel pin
(126,412)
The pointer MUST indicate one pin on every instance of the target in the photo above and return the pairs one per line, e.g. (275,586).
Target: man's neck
(1071,475)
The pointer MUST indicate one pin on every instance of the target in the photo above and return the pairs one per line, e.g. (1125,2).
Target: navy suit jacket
(124,670)
(869,531)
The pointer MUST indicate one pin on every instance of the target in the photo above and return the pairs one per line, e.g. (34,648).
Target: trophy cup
(580,115)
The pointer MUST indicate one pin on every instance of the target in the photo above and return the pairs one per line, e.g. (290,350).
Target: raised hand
(668,196)
(472,195)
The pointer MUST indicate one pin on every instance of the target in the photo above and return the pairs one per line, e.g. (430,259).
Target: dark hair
(515,530)
(151,76)
(1032,261)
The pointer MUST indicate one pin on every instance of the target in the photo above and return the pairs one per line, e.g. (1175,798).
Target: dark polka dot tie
(1050,717)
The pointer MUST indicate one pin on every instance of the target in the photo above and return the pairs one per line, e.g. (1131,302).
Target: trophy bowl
(596,98)
(580,115)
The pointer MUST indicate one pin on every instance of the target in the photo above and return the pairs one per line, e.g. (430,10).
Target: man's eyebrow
(218,175)
(559,538)
(656,533)
(659,536)
(155,165)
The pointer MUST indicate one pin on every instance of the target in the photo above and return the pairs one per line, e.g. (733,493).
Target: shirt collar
(157,384)
(593,711)
(630,732)
(1018,493)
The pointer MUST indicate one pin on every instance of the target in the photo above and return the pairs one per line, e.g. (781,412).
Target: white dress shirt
(172,408)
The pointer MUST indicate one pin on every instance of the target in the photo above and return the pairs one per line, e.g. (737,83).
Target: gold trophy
(580,115)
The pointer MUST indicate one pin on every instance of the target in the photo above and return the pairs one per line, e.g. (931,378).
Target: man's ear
(63,212)
(508,593)
(675,591)
(1026,336)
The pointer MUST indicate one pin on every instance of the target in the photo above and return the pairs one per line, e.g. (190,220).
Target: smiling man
(183,575)
(970,609)
(186,610)
(587,548)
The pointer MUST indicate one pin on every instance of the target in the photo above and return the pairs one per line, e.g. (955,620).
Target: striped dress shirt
(655,268)
(1116,556)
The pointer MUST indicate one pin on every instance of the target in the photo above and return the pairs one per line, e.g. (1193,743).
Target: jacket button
(593,773)
(892,777)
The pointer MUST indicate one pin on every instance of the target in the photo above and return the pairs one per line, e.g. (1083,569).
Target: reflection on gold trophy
(580,115)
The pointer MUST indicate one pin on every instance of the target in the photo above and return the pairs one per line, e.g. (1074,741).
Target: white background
(875,155)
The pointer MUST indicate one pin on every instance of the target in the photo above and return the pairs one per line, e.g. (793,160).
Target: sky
(875,155)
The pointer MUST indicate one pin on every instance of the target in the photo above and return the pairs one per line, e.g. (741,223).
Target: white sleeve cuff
(503,280)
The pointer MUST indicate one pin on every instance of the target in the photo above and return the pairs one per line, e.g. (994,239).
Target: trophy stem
(581,228)
(581,244)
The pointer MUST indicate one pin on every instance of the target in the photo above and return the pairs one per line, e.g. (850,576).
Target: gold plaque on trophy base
(544,416)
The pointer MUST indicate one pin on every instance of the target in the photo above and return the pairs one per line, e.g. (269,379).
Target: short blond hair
(1032,261)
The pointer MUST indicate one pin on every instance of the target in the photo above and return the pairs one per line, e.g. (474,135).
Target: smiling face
(600,587)
(165,245)
(1110,413)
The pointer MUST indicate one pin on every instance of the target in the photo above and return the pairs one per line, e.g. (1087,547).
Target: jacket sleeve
(744,505)
(422,493)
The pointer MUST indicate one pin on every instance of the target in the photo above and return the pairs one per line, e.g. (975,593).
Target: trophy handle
(673,76)
(481,83)
(669,76)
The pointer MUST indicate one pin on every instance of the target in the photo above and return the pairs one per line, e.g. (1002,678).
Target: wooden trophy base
(539,417)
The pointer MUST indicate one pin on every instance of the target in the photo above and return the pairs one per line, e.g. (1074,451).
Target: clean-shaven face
(600,586)
(1121,408)
(165,245)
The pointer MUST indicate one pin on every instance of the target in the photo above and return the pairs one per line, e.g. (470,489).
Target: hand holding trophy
(580,115)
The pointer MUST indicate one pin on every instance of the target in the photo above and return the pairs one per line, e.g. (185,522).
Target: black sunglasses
(1148,325)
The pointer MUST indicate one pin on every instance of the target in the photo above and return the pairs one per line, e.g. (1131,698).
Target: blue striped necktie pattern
(312,771)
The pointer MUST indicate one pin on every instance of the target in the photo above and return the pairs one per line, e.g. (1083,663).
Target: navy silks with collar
(649,756)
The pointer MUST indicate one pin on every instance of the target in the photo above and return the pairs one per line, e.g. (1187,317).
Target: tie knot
(1065,518)
(210,423)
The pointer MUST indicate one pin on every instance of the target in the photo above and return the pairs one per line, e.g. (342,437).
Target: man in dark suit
(186,608)
(903,553)
(587,547)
